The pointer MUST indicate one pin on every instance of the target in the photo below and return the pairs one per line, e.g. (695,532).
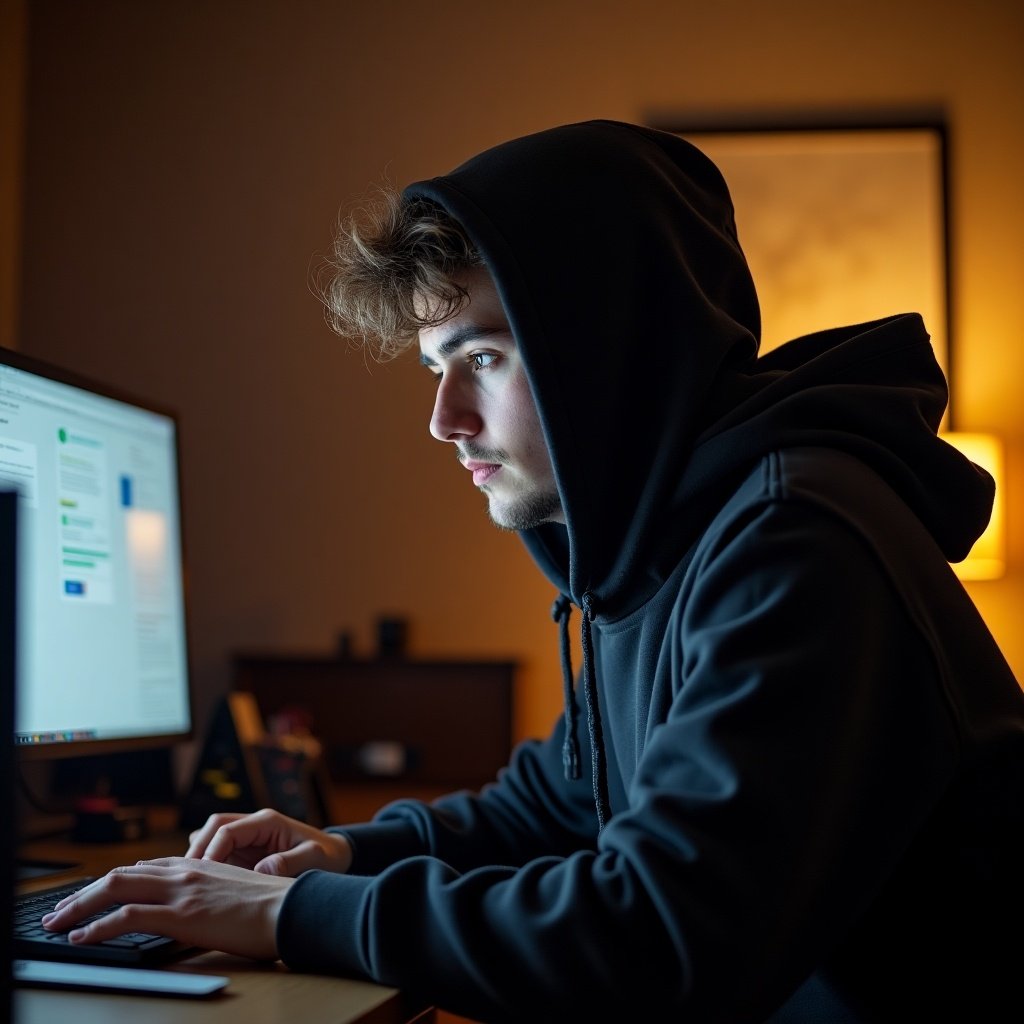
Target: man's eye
(481,360)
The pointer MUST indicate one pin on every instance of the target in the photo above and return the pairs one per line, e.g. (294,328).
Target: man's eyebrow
(461,335)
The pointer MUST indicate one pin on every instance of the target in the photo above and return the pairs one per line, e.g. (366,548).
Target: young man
(789,784)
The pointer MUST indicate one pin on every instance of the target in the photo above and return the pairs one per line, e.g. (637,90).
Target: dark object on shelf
(392,637)
(344,648)
(433,722)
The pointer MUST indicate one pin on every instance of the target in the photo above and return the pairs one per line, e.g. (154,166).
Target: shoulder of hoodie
(833,496)
(838,488)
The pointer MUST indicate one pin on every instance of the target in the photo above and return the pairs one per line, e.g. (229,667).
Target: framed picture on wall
(841,223)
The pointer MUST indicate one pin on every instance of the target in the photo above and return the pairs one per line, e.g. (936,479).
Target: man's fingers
(82,893)
(120,886)
(197,843)
(291,863)
(251,838)
(326,852)
(275,864)
(151,919)
(199,840)
(95,896)
(235,835)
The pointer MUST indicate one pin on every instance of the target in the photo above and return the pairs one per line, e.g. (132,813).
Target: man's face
(485,408)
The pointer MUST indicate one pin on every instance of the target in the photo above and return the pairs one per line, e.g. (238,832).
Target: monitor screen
(103,661)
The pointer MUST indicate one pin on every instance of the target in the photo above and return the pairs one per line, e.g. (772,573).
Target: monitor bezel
(112,745)
(8,673)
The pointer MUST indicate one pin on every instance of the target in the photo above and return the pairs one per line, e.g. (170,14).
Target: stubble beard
(525,512)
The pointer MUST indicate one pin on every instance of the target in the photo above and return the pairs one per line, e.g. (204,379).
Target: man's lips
(482,471)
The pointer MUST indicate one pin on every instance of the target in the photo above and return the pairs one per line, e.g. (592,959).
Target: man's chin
(525,513)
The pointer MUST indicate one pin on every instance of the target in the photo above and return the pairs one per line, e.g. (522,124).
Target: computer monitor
(103,656)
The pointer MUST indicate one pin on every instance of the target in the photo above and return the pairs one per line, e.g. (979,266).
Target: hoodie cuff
(318,927)
(377,845)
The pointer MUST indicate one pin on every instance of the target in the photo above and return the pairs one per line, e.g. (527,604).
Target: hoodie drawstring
(560,612)
(571,749)
(597,753)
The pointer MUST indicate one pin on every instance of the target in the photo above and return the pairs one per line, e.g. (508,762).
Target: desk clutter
(294,725)
(243,766)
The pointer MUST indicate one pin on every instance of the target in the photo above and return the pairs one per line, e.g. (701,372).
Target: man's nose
(455,417)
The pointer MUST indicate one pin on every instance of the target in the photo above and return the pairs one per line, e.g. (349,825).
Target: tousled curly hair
(392,270)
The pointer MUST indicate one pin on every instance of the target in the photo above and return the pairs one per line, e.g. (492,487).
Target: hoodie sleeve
(530,811)
(804,745)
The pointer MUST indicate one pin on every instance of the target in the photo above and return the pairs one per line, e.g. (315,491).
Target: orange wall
(184,163)
(13,18)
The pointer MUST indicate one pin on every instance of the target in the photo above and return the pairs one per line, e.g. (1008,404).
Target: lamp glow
(987,559)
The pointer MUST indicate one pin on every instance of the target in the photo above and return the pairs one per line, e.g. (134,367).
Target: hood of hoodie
(615,253)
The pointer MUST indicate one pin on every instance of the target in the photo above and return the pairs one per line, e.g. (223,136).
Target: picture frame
(842,220)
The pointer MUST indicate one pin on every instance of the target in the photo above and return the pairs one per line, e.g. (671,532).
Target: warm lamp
(987,560)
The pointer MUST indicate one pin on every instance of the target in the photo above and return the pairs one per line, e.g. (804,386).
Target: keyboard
(33,942)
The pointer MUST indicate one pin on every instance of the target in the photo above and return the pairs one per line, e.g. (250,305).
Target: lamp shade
(987,559)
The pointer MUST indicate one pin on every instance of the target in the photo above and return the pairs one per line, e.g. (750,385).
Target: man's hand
(270,843)
(202,903)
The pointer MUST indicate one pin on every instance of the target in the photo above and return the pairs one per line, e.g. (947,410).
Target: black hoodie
(798,796)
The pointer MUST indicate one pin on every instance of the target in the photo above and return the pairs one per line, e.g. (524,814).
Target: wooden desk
(259,993)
